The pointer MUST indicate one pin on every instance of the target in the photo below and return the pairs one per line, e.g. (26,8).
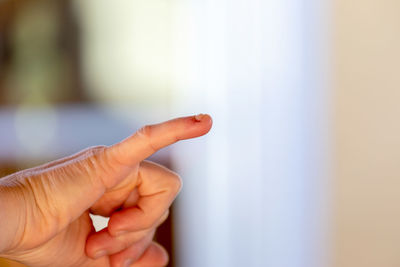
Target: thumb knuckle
(175,182)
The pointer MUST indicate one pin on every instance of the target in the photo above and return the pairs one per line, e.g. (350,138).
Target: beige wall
(367,75)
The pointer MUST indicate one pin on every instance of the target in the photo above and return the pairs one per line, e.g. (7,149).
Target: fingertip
(205,121)
(208,121)
(184,128)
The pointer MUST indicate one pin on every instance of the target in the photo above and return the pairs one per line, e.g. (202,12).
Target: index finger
(151,138)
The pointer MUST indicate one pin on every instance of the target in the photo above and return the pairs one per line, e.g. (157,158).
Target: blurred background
(302,166)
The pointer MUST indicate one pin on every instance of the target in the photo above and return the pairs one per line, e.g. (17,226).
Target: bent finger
(157,189)
(102,243)
(131,254)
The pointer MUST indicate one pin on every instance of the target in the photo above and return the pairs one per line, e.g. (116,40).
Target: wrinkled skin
(44,211)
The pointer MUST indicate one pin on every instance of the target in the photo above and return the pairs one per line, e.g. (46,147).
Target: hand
(44,211)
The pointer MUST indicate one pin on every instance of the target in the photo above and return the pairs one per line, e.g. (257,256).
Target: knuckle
(175,181)
(163,217)
(146,133)
(166,214)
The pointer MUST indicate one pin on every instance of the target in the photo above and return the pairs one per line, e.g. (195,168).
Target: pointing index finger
(151,138)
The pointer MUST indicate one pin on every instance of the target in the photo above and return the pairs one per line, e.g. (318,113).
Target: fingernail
(100,254)
(128,262)
(199,117)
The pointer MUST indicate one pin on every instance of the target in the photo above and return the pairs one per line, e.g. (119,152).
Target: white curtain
(256,189)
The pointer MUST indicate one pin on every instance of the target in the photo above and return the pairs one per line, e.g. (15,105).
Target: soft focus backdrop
(301,168)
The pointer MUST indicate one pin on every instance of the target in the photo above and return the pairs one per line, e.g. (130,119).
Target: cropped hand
(44,211)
